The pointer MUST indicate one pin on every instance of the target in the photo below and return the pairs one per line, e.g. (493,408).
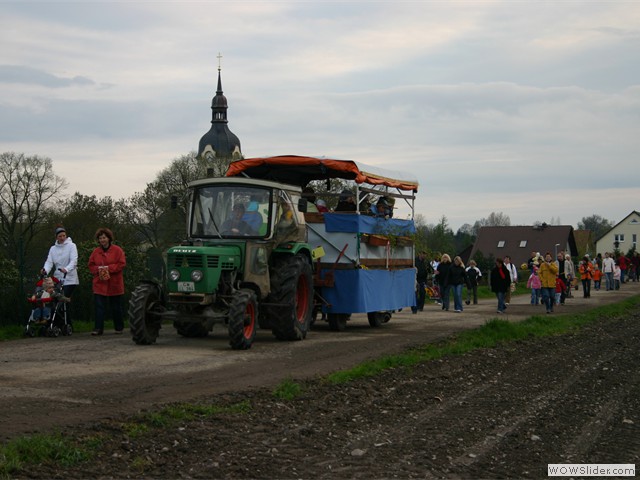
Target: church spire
(219,141)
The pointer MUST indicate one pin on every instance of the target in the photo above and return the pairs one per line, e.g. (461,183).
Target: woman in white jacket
(63,259)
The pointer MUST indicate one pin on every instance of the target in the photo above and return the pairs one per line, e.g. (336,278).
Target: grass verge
(44,449)
(287,390)
(56,449)
(491,334)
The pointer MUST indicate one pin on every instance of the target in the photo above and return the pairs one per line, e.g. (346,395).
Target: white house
(623,236)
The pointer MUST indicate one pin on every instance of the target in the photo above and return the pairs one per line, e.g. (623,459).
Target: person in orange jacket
(586,274)
(106,264)
(596,275)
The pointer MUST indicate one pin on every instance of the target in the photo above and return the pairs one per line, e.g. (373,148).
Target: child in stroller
(49,312)
(433,291)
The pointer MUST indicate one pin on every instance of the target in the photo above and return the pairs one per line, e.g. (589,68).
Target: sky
(530,109)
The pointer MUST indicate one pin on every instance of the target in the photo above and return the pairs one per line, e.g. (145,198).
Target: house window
(634,239)
(523,243)
(501,244)
(619,237)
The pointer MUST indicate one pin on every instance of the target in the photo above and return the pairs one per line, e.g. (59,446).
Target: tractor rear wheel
(292,292)
(144,319)
(243,314)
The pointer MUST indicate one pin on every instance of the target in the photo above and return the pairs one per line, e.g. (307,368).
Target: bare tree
(493,220)
(28,187)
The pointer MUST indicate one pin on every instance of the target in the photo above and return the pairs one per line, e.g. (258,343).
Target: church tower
(219,142)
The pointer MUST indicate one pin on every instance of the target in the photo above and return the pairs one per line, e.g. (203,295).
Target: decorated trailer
(362,263)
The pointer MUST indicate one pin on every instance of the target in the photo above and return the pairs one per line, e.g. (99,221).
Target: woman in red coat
(106,264)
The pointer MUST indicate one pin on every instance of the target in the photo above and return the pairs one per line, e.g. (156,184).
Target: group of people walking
(550,280)
(450,277)
(106,265)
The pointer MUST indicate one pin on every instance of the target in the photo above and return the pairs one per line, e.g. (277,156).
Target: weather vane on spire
(219,58)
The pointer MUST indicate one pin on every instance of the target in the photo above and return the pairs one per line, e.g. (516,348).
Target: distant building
(622,236)
(219,142)
(519,242)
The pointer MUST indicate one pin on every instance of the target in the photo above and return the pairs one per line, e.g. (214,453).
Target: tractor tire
(292,291)
(144,306)
(338,321)
(243,314)
(190,329)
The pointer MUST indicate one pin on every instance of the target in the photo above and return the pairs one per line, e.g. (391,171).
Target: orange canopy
(299,170)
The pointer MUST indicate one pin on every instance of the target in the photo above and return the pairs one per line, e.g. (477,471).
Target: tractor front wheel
(243,314)
(144,319)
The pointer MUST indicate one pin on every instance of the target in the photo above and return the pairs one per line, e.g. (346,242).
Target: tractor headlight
(174,275)
(196,275)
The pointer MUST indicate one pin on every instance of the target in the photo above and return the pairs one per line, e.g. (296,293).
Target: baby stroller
(433,291)
(48,316)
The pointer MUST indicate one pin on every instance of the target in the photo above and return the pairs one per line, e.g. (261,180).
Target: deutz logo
(185,250)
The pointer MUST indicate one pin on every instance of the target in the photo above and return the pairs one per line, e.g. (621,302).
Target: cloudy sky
(527,108)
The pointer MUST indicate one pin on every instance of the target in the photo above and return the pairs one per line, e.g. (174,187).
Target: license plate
(186,287)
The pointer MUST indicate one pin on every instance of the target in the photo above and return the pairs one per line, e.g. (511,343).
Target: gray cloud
(19,74)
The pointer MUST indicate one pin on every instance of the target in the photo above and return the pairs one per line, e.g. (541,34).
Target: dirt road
(500,412)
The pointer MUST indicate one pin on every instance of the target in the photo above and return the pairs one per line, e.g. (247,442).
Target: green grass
(491,334)
(287,390)
(44,449)
(181,412)
(55,449)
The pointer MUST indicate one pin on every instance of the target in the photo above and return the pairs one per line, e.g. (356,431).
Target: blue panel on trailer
(355,223)
(361,291)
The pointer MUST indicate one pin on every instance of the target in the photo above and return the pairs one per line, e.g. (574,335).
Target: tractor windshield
(230,211)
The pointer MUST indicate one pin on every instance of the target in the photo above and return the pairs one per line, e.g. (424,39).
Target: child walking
(596,276)
(560,288)
(535,285)
(617,275)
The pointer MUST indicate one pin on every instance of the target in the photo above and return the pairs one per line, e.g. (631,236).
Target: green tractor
(245,262)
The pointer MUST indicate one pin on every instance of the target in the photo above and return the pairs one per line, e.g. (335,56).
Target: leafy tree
(150,215)
(440,238)
(9,281)
(82,215)
(464,237)
(597,224)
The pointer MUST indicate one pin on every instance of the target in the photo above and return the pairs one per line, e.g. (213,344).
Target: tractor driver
(235,225)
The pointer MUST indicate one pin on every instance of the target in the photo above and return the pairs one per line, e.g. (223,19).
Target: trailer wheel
(191,329)
(376,319)
(144,320)
(292,291)
(243,313)
(338,321)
